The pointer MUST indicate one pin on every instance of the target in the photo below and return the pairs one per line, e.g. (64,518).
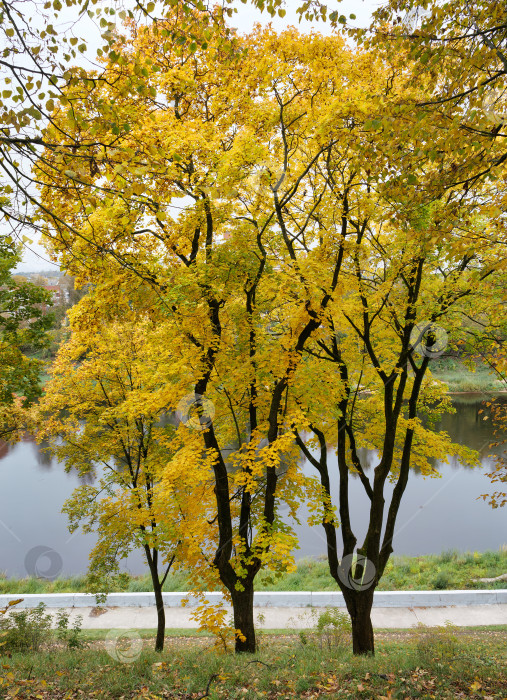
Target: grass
(460,378)
(449,570)
(422,663)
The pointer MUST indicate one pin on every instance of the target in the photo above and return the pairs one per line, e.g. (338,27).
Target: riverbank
(460,379)
(447,571)
(453,371)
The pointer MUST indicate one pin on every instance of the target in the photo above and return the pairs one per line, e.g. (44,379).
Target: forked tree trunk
(242,602)
(359,604)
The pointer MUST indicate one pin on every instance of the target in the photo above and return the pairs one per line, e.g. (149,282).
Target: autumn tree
(259,197)
(404,308)
(429,251)
(103,414)
(234,144)
(411,263)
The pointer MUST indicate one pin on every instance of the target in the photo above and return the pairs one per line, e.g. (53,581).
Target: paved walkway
(294,618)
(270,599)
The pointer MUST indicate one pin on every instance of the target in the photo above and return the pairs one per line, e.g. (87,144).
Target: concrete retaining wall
(296,599)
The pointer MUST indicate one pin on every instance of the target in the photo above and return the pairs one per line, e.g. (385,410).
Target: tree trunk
(242,603)
(159,602)
(359,604)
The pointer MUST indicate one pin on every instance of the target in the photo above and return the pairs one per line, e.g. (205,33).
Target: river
(435,515)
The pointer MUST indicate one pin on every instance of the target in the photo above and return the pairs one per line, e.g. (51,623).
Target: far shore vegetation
(459,377)
(450,570)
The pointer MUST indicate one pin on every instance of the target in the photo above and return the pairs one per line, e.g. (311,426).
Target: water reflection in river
(436,514)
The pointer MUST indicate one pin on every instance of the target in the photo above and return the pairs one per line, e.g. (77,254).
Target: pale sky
(35,257)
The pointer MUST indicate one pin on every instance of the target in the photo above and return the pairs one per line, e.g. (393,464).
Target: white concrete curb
(264,599)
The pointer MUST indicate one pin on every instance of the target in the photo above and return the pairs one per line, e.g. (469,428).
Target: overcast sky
(35,258)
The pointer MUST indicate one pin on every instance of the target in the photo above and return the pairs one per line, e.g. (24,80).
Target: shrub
(3,625)
(441,581)
(71,637)
(26,629)
(334,627)
(437,643)
(30,629)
